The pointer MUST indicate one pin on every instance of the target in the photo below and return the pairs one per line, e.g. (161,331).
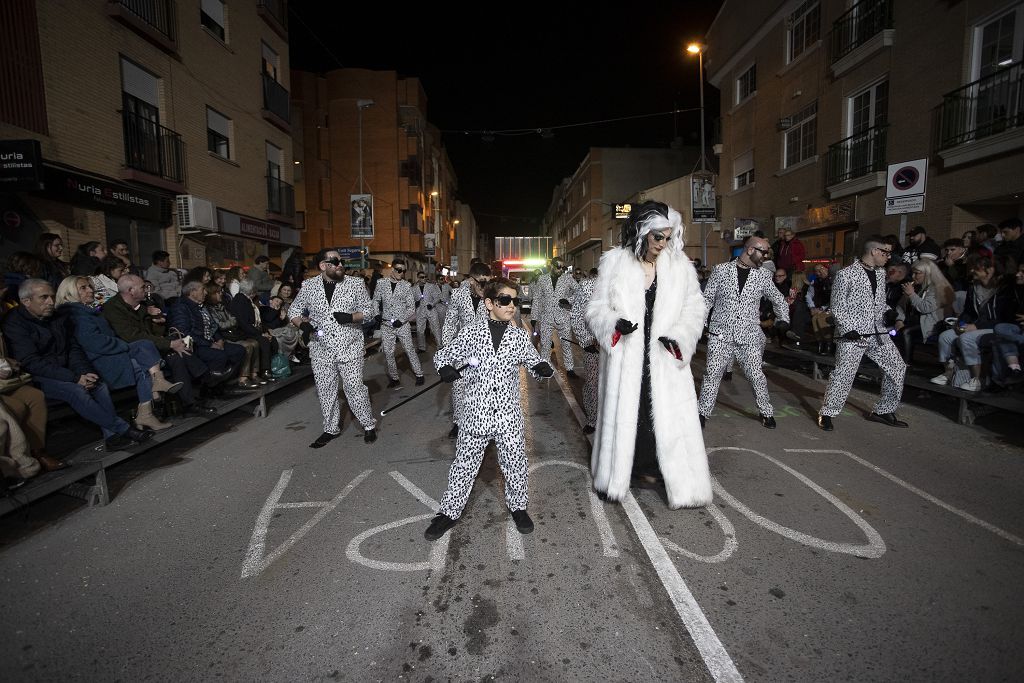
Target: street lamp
(698,49)
(362,104)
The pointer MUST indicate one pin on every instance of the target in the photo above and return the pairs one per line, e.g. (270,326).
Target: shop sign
(21,165)
(100,195)
(247,227)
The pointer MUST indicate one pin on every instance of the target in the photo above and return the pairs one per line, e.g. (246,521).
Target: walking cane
(472,362)
(854,335)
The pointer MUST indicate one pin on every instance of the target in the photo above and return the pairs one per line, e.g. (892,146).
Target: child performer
(492,409)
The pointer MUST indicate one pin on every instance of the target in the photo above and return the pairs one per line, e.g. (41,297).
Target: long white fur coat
(678,315)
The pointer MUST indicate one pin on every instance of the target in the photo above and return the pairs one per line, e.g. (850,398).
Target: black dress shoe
(139,435)
(420,380)
(438,527)
(768,421)
(323,440)
(523,522)
(453,432)
(571,373)
(118,442)
(703,421)
(589,429)
(370,436)
(727,377)
(268,375)
(1014,377)
(825,422)
(199,410)
(887,419)
(392,383)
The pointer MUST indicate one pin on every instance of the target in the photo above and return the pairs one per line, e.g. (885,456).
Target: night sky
(523,65)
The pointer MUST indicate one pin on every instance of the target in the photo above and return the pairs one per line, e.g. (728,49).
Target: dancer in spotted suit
(552,301)
(396,306)
(428,297)
(591,352)
(492,410)
(732,297)
(330,308)
(860,310)
(465,307)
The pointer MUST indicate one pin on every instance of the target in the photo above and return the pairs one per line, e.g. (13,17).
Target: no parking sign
(905,187)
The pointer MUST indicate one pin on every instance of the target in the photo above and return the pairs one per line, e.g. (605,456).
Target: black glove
(308,331)
(889,318)
(430,307)
(543,369)
(623,326)
(671,346)
(449,373)
(564,303)
(781,326)
(592,348)
(343,318)
(396,324)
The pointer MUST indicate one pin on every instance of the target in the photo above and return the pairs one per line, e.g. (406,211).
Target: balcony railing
(985,107)
(274,9)
(152,148)
(154,20)
(280,197)
(275,99)
(858,25)
(856,156)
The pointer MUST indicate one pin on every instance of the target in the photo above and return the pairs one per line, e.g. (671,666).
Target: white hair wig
(650,219)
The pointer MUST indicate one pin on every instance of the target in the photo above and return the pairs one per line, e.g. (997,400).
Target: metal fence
(280,197)
(159,14)
(153,148)
(858,25)
(275,98)
(985,107)
(856,156)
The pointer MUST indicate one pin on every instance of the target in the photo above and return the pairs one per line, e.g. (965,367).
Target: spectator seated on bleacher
(275,319)
(104,282)
(260,276)
(21,265)
(954,264)
(49,248)
(87,258)
(118,363)
(991,300)
(927,301)
(189,318)
(27,406)
(245,307)
(1008,342)
(166,283)
(229,329)
(819,301)
(43,345)
(132,320)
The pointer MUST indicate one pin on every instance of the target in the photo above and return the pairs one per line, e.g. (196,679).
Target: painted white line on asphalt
(704,637)
(254,562)
(415,490)
(923,494)
(729,547)
(513,541)
(874,548)
(310,504)
(354,555)
(604,527)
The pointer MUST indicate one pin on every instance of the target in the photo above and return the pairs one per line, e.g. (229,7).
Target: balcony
(153,154)
(280,200)
(276,107)
(856,164)
(154,20)
(860,32)
(275,13)
(983,118)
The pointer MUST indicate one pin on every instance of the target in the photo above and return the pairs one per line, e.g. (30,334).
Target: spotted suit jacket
(578,313)
(853,307)
(430,296)
(336,341)
(491,402)
(397,305)
(460,313)
(546,296)
(736,315)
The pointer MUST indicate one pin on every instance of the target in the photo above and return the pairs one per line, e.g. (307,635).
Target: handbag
(233,334)
(12,383)
(279,366)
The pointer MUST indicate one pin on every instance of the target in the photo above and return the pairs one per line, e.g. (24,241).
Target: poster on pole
(362,216)
(702,198)
(429,244)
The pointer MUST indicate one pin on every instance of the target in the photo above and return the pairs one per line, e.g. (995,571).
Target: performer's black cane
(473,362)
(854,335)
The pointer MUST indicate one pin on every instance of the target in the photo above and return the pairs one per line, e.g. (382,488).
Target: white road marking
(1017,540)
(719,664)
(604,527)
(416,491)
(729,547)
(874,548)
(255,562)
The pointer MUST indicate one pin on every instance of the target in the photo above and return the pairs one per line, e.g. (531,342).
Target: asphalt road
(238,553)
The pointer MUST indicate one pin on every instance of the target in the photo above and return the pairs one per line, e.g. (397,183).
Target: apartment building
(365,132)
(466,235)
(581,216)
(819,97)
(162,122)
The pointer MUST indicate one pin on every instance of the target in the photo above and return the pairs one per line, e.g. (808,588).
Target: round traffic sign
(905,178)
(12,219)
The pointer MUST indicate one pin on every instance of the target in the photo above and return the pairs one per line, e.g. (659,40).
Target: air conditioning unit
(196,213)
(785,123)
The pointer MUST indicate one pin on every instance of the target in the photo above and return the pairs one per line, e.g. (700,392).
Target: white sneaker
(940,379)
(973,384)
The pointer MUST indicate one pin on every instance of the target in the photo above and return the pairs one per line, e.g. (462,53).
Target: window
(804,29)
(218,133)
(869,108)
(801,138)
(142,88)
(746,84)
(583,188)
(211,15)
(271,62)
(273,161)
(998,43)
(743,170)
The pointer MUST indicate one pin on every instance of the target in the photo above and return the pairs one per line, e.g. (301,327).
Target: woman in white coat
(647,313)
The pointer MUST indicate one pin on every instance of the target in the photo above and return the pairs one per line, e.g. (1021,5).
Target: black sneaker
(571,373)
(589,429)
(370,436)
(438,527)
(768,421)
(887,419)
(392,383)
(703,420)
(825,423)
(323,440)
(453,433)
(118,442)
(420,380)
(523,522)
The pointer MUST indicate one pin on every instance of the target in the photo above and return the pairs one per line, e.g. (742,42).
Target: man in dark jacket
(250,321)
(189,317)
(44,347)
(1013,241)
(294,270)
(920,246)
(131,321)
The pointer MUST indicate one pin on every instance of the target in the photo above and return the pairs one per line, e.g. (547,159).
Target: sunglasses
(884,251)
(506,299)
(763,251)
(332,261)
(658,237)
(399,270)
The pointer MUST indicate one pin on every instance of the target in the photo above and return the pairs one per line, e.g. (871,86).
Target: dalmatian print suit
(855,309)
(336,353)
(428,299)
(397,304)
(460,315)
(735,332)
(578,320)
(492,411)
(551,316)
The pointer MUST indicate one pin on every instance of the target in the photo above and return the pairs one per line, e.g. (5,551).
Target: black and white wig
(644,218)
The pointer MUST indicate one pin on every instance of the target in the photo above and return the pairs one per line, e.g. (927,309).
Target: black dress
(645,450)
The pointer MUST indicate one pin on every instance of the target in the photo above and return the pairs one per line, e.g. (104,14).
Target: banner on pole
(362,216)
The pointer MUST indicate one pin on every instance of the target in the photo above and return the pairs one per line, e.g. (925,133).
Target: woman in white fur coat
(647,313)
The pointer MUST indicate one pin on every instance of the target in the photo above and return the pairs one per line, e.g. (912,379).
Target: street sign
(745,227)
(905,187)
(352,253)
(622,211)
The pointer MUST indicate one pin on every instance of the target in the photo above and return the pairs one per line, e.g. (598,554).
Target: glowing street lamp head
(694,48)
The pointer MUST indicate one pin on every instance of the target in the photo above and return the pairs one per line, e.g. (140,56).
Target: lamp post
(360,106)
(698,49)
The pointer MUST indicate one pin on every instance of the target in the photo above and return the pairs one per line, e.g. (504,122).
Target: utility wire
(541,129)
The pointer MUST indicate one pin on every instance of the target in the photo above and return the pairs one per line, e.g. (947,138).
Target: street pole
(703,161)
(362,241)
